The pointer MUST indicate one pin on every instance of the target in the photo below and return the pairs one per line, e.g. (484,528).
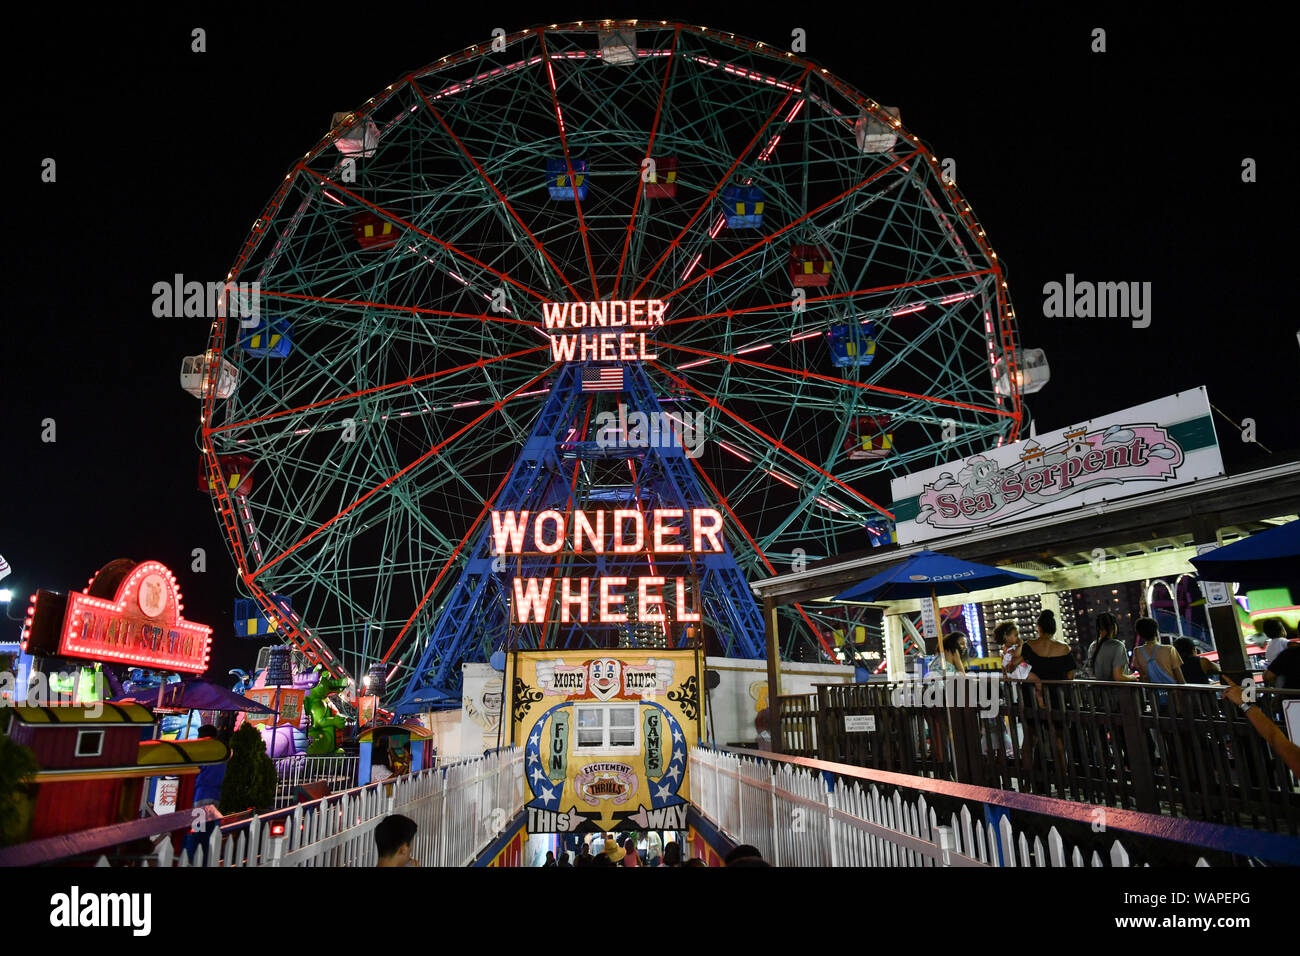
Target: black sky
(1117,166)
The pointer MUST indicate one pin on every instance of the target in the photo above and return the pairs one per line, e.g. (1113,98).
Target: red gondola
(374,233)
(810,266)
(237,470)
(869,437)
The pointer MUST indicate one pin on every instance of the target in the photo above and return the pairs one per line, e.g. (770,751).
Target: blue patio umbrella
(929,574)
(1268,559)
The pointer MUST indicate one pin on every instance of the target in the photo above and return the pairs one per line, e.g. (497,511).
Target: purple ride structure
(588,269)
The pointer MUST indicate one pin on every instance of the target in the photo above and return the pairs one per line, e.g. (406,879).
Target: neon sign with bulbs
(129,614)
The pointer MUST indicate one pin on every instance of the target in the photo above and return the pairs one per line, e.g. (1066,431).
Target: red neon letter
(512,527)
(582,525)
(660,531)
(683,614)
(708,524)
(645,600)
(558,542)
(606,599)
(567,598)
(620,516)
(532,604)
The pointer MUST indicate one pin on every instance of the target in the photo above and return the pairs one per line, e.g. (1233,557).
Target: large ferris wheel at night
(792,280)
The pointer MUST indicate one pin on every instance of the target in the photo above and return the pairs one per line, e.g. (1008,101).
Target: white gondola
(198,372)
(360,139)
(1032,372)
(874,135)
(618,47)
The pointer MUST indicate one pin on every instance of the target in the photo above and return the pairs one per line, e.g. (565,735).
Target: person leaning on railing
(1196,669)
(1048,660)
(1271,732)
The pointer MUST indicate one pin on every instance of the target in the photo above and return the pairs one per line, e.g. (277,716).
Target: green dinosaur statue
(320,732)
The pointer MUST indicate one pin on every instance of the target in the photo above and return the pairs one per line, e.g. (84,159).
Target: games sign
(129,614)
(1161,444)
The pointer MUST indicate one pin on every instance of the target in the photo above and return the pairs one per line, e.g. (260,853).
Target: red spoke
(759,551)
(715,190)
(436,449)
(837,381)
(773,441)
(654,130)
(493,186)
(480,363)
(568,162)
(325,180)
(487,506)
(706,273)
(771,306)
(413,309)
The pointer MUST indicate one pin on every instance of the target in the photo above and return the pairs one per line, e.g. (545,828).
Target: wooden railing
(1178,750)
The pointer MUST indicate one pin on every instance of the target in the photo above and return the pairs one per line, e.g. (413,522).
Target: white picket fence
(458,809)
(339,772)
(794,819)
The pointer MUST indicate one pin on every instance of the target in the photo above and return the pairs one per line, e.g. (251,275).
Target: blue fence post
(993,817)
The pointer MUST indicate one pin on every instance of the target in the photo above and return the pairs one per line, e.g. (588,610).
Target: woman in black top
(1047,659)
(1051,661)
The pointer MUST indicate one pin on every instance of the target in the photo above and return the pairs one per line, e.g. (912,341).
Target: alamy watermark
(661,429)
(978,690)
(1083,299)
(58,688)
(208,300)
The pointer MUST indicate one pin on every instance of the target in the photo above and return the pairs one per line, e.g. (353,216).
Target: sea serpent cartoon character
(320,734)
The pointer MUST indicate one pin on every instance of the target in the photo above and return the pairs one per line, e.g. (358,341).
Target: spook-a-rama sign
(1167,442)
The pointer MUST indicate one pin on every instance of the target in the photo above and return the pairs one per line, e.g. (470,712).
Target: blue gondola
(881,531)
(251,620)
(270,338)
(743,207)
(853,344)
(557,178)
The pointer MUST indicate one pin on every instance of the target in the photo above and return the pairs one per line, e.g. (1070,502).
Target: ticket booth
(409,745)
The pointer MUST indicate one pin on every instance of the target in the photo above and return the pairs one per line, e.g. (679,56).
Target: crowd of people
(1045,657)
(624,853)
(395,834)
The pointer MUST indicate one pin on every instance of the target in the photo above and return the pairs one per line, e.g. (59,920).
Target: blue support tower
(563,468)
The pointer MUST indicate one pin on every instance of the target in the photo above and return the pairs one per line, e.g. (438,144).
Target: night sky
(1120,166)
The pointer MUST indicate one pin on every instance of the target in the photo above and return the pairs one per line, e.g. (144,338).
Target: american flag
(602,378)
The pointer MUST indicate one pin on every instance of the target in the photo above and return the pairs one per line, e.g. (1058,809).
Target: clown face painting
(605,678)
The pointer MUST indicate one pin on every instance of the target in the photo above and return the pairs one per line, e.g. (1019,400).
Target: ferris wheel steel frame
(508,236)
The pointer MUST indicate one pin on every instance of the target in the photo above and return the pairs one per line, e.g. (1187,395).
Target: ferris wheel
(833,315)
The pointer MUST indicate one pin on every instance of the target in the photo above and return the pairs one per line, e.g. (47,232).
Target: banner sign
(1157,445)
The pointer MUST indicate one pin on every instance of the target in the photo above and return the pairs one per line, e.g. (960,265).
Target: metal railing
(1174,749)
(458,809)
(803,812)
(338,772)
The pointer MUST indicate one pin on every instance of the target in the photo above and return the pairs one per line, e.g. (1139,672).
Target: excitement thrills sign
(1160,444)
